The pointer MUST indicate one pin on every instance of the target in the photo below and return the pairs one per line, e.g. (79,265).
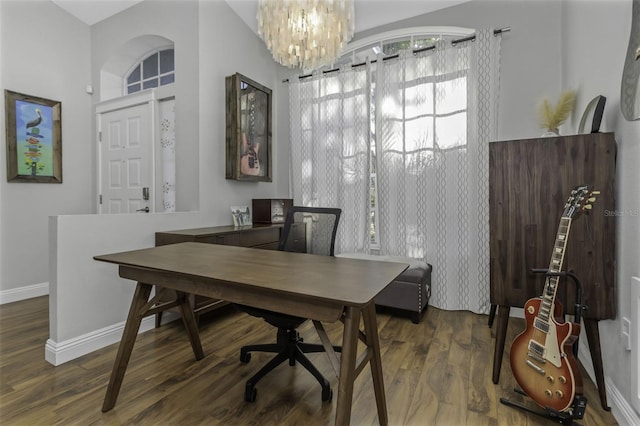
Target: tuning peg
(595,192)
(592,199)
(588,207)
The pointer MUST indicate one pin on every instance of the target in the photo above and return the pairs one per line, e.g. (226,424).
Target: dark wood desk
(263,236)
(322,288)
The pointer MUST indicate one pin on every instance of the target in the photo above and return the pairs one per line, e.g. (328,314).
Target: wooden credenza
(256,236)
(529,183)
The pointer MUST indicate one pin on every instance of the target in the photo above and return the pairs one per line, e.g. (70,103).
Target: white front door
(126,160)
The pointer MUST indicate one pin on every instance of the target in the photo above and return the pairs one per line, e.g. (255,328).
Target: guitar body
(249,162)
(543,363)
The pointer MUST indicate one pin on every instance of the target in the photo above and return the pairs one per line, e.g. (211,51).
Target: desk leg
(373,343)
(347,365)
(189,321)
(140,298)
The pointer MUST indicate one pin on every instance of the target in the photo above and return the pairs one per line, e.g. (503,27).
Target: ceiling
(368,13)
(93,11)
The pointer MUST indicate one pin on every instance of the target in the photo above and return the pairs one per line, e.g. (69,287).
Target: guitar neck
(252,120)
(557,257)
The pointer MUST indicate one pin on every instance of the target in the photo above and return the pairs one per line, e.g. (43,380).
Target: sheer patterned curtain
(435,115)
(168,147)
(330,125)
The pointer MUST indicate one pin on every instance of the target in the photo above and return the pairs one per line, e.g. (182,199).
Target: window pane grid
(134,76)
(166,61)
(157,69)
(150,66)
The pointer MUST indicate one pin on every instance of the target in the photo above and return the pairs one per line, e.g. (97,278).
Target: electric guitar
(541,356)
(249,161)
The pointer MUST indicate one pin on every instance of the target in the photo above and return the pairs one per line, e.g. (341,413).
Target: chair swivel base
(290,347)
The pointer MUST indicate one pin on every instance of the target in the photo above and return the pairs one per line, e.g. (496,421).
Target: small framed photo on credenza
(241,215)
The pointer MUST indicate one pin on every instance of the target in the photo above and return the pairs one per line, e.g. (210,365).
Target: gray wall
(69,55)
(596,39)
(555,46)
(44,52)
(211,42)
(177,21)
(214,43)
(88,302)
(228,46)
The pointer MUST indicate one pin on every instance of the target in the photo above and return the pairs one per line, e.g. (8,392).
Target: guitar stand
(563,417)
(579,405)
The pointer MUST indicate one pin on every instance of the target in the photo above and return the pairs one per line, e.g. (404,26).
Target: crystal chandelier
(305,34)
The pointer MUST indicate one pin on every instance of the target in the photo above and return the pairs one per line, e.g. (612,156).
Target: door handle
(146,210)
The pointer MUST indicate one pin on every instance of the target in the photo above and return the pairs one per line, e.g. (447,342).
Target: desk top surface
(351,282)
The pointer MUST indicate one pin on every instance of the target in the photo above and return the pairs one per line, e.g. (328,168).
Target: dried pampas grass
(552,117)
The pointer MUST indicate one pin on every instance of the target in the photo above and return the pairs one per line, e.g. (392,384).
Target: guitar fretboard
(551,283)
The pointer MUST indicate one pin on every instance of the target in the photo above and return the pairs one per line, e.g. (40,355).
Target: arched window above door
(118,67)
(154,70)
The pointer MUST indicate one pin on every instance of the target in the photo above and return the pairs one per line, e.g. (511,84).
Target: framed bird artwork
(34,138)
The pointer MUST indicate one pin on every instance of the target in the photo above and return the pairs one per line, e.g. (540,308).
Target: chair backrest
(318,224)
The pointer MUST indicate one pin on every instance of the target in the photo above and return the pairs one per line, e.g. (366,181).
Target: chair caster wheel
(245,357)
(250,393)
(327,396)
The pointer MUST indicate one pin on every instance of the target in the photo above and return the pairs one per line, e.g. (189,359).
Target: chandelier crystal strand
(305,34)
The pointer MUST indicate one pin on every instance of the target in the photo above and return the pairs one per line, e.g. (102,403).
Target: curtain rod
(497,32)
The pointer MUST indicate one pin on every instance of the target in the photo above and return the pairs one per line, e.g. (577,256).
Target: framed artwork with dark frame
(34,138)
(248,129)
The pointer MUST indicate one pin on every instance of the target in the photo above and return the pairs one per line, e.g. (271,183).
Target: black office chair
(306,229)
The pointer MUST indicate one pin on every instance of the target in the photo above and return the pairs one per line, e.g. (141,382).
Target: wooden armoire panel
(530,181)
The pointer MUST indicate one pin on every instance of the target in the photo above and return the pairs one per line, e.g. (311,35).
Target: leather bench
(410,292)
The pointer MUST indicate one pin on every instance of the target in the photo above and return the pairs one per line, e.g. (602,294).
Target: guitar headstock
(581,199)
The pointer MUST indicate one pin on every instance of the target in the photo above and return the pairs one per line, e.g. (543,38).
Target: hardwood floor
(435,373)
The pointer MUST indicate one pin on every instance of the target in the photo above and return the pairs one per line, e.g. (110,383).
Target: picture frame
(34,138)
(241,216)
(248,129)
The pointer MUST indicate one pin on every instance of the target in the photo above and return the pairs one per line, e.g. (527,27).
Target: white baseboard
(58,353)
(620,407)
(23,293)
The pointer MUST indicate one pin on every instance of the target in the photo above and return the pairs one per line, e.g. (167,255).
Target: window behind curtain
(435,113)
(450,119)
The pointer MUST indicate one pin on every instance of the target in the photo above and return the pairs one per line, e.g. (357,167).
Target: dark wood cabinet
(270,210)
(529,183)
(255,236)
